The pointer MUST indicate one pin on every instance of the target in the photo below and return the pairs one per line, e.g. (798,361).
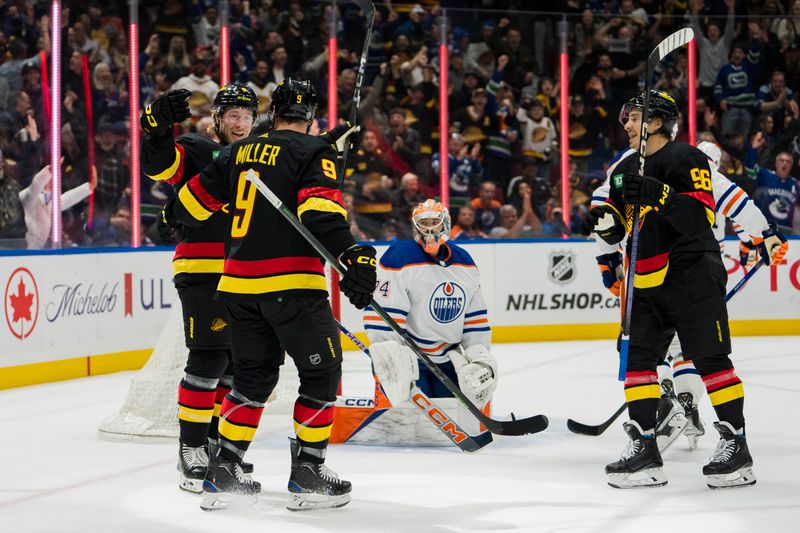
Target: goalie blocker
(432,289)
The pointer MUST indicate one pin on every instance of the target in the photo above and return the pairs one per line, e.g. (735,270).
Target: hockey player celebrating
(680,288)
(275,290)
(432,289)
(197,264)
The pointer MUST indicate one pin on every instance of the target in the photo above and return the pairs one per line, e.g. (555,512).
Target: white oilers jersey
(731,202)
(439,303)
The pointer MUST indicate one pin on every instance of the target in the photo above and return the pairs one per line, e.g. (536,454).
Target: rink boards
(80,312)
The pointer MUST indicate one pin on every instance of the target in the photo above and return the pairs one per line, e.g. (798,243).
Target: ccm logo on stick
(439,418)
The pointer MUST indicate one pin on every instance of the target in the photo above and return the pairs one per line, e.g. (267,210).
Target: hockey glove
(605,222)
(167,224)
(341,134)
(773,247)
(611,270)
(748,253)
(646,190)
(166,110)
(358,283)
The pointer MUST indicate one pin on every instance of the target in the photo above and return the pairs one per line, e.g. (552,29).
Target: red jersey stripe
(178,173)
(334,195)
(279,265)
(199,249)
(202,195)
(651,264)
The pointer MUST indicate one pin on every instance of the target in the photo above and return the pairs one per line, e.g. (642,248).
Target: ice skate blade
(194,486)
(215,500)
(743,477)
(678,423)
(650,477)
(308,501)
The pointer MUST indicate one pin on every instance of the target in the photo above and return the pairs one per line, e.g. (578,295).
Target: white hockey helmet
(431,223)
(711,150)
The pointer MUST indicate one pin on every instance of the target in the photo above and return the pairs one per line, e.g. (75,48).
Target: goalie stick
(433,412)
(664,48)
(369,13)
(585,429)
(523,426)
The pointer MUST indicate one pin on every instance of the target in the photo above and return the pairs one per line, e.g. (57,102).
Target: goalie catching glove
(396,367)
(169,108)
(476,369)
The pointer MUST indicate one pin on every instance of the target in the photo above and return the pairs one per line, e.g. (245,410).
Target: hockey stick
(433,412)
(585,429)
(665,47)
(369,13)
(514,426)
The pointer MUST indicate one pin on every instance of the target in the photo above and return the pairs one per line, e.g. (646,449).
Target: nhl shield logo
(562,267)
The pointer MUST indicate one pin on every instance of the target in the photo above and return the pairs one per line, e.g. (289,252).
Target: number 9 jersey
(675,236)
(265,258)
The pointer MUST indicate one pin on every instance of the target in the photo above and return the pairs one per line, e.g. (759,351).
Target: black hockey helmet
(293,100)
(233,95)
(661,105)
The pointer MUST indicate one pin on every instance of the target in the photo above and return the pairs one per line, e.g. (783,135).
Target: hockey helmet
(233,95)
(661,105)
(431,223)
(712,151)
(293,100)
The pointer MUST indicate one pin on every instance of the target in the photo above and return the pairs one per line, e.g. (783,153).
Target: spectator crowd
(503,145)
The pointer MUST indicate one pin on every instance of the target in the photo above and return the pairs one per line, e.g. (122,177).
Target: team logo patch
(315,358)
(562,267)
(618,180)
(218,324)
(447,302)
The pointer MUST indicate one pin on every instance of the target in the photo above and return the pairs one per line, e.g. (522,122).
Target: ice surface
(58,477)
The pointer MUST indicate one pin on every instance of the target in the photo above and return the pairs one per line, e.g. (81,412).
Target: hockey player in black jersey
(679,283)
(197,263)
(275,290)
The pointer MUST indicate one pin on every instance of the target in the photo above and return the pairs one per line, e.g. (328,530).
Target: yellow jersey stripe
(316,203)
(642,393)
(236,433)
(271,284)
(169,172)
(309,434)
(192,205)
(197,266)
(201,416)
(726,395)
(653,279)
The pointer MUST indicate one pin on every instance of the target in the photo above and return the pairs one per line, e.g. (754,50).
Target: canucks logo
(447,302)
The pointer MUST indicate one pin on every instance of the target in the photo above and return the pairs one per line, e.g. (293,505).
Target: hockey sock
(313,420)
(725,389)
(642,393)
(239,419)
(223,388)
(195,408)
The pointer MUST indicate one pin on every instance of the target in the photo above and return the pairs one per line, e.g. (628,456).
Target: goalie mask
(661,105)
(431,223)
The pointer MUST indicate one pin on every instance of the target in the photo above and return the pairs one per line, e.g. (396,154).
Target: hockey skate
(192,465)
(731,464)
(640,464)
(695,428)
(670,420)
(247,468)
(314,486)
(225,482)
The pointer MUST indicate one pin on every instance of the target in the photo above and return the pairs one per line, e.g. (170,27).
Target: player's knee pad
(207,363)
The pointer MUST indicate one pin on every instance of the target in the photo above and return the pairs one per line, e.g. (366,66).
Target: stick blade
(674,41)
(365,5)
(473,444)
(524,426)
(585,429)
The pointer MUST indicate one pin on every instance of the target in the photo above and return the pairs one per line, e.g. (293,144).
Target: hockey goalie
(432,290)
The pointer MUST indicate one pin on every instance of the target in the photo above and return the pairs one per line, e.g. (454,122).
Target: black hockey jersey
(265,257)
(674,236)
(200,250)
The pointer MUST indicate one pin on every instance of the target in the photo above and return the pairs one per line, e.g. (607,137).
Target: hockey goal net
(150,411)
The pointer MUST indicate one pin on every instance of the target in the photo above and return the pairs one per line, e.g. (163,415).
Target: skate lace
(195,456)
(633,447)
(724,451)
(327,474)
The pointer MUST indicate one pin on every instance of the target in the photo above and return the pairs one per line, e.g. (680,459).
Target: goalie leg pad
(396,367)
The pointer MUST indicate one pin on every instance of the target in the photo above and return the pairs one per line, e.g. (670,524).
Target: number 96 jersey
(437,301)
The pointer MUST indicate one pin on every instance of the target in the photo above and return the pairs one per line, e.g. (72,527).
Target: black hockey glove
(341,134)
(605,222)
(773,247)
(167,224)
(358,283)
(646,190)
(166,110)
